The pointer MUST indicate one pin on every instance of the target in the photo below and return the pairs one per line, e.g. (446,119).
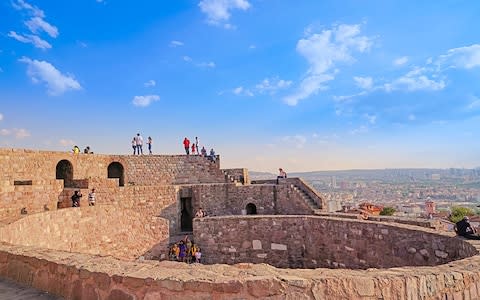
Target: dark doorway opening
(115,170)
(186,217)
(64,171)
(251,209)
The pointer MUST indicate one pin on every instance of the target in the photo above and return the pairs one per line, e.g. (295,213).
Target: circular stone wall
(105,230)
(314,242)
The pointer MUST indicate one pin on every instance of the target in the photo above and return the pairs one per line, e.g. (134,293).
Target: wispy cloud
(37,24)
(463,57)
(359,130)
(209,64)
(372,119)
(150,83)
(323,51)
(219,11)
(175,44)
(298,141)
(400,61)
(30,39)
(22,5)
(412,117)
(56,82)
(473,105)
(415,80)
(241,91)
(144,101)
(272,85)
(365,83)
(66,143)
(187,58)
(18,133)
(1,117)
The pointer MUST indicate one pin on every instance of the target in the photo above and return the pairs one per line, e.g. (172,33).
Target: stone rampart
(313,242)
(102,230)
(240,175)
(84,276)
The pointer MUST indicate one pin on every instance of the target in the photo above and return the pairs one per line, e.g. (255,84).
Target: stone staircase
(306,197)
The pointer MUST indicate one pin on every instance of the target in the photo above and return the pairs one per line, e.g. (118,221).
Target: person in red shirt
(186,144)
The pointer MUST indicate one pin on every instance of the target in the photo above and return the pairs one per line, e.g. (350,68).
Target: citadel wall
(314,242)
(106,230)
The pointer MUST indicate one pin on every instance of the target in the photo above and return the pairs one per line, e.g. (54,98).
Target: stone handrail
(303,185)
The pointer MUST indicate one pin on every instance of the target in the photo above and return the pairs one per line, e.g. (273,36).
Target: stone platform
(13,291)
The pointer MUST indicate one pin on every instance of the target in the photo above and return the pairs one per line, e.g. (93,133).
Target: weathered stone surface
(257,245)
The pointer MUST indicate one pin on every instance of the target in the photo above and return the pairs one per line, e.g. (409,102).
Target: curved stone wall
(102,230)
(313,242)
(84,276)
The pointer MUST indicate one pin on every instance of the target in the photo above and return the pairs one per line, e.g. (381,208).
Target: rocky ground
(13,291)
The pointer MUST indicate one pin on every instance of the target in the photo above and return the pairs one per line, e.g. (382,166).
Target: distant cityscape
(406,190)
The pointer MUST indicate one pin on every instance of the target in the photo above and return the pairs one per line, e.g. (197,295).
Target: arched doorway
(186,214)
(251,209)
(64,170)
(115,170)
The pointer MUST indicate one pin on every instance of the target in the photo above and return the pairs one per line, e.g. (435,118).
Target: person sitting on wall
(203,152)
(463,228)
(281,174)
(76,150)
(198,256)
(200,213)
(76,199)
(212,155)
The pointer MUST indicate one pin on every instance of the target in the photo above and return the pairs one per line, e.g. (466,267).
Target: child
(193,149)
(198,256)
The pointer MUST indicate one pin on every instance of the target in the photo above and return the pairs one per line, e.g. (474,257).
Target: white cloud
(219,11)
(365,83)
(1,117)
(298,141)
(66,143)
(22,5)
(144,101)
(241,91)
(31,39)
(209,64)
(412,117)
(348,97)
(187,58)
(37,24)
(372,119)
(464,57)
(400,61)
(474,105)
(252,47)
(359,130)
(175,44)
(272,85)
(415,80)
(56,82)
(5,132)
(323,51)
(150,83)
(19,133)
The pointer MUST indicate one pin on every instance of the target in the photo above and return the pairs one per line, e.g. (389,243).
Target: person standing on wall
(197,142)
(193,149)
(91,198)
(186,145)
(139,142)
(149,143)
(134,145)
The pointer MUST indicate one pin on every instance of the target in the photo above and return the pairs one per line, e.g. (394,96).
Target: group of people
(195,148)
(76,150)
(137,144)
(185,251)
(77,196)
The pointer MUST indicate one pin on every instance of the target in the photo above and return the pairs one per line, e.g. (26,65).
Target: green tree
(458,212)
(387,211)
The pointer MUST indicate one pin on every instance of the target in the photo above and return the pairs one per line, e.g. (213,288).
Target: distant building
(436,176)
(371,208)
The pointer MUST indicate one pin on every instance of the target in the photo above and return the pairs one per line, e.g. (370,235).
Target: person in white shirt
(91,198)
(139,142)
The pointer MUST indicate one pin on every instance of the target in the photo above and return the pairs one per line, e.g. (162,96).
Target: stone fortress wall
(141,200)
(322,242)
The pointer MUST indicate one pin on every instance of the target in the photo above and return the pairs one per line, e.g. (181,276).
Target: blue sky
(304,85)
